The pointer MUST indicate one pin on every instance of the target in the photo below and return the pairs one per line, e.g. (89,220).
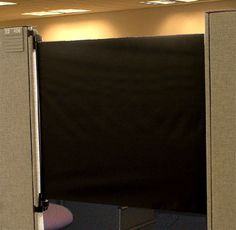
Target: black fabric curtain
(123,121)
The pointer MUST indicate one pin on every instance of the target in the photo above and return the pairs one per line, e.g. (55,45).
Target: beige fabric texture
(221,119)
(16,189)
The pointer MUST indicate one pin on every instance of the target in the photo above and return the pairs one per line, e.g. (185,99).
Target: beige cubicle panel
(19,170)
(221,119)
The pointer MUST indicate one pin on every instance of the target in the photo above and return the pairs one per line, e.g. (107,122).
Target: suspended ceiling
(24,6)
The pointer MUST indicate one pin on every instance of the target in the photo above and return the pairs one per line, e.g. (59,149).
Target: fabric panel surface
(123,121)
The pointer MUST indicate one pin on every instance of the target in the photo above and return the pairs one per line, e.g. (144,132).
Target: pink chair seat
(57,217)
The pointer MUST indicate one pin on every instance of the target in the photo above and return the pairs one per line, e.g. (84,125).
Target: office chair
(57,217)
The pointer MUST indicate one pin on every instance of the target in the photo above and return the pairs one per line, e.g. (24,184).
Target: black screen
(123,121)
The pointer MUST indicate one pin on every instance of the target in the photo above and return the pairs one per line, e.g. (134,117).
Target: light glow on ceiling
(7,3)
(56,12)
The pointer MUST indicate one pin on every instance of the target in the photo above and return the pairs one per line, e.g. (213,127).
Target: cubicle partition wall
(19,139)
(20,180)
(221,119)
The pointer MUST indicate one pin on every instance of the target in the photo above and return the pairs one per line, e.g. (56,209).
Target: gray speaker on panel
(221,119)
(19,147)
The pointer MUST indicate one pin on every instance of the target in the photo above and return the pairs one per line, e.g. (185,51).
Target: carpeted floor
(106,217)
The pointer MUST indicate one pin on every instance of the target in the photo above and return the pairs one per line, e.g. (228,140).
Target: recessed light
(187,0)
(166,2)
(56,12)
(70,11)
(41,13)
(7,3)
(158,2)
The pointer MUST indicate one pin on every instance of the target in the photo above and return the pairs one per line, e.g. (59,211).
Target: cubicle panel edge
(208,129)
(35,127)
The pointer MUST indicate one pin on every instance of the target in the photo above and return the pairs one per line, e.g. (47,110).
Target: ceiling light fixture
(69,11)
(40,13)
(56,12)
(7,3)
(187,0)
(158,2)
(167,2)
